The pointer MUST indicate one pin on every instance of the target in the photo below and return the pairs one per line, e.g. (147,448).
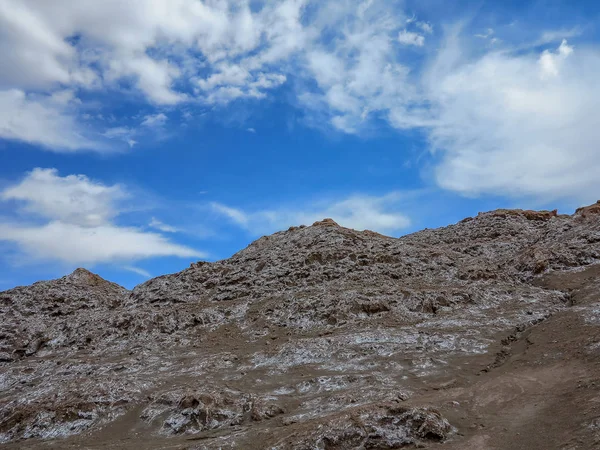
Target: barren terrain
(480,335)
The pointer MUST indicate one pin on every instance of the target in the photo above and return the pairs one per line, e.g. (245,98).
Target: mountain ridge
(501,212)
(317,337)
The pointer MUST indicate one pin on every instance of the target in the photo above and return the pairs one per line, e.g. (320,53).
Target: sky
(137,137)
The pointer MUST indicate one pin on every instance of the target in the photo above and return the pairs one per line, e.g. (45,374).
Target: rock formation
(484,334)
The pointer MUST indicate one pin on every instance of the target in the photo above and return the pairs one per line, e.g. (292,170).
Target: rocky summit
(480,335)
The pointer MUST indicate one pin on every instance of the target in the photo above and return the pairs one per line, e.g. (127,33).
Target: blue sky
(137,137)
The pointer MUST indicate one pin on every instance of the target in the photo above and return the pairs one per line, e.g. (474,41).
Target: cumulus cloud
(154,78)
(550,61)
(210,52)
(517,124)
(362,76)
(169,51)
(513,121)
(73,199)
(152,43)
(78,226)
(360,212)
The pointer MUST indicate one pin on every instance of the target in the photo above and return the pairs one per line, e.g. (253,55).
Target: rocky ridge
(315,337)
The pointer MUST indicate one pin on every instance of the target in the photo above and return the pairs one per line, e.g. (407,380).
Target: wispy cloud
(551,36)
(426,27)
(235,215)
(383,214)
(157,224)
(154,120)
(488,34)
(139,271)
(151,125)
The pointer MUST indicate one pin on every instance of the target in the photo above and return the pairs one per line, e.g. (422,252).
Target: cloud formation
(207,52)
(72,220)
(361,212)
(517,124)
(411,38)
(169,51)
(158,225)
(500,120)
(72,199)
(46,120)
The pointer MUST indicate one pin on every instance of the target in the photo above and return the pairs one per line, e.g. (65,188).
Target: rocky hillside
(484,334)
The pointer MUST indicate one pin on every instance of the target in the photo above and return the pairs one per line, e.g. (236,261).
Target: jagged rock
(315,337)
(376,427)
(528,214)
(588,210)
(191,412)
(326,223)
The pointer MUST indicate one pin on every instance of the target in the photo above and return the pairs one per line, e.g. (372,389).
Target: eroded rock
(318,336)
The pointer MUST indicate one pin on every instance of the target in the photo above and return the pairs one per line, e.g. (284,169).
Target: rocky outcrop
(63,313)
(588,210)
(315,337)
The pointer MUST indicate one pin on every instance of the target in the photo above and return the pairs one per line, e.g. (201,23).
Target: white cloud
(235,215)
(139,271)
(124,134)
(360,212)
(154,78)
(79,227)
(517,124)
(502,121)
(74,199)
(154,120)
(362,75)
(118,132)
(411,38)
(550,61)
(34,55)
(157,224)
(551,36)
(252,88)
(77,245)
(213,52)
(162,48)
(42,120)
(149,42)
